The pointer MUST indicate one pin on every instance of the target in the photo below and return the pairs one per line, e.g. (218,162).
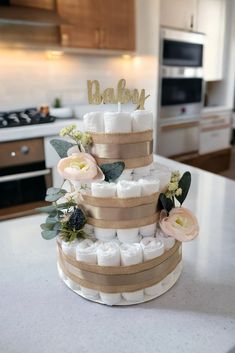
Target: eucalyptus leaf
(49,234)
(61,147)
(47,226)
(184,184)
(53,191)
(166,202)
(46,209)
(54,197)
(112,170)
(52,220)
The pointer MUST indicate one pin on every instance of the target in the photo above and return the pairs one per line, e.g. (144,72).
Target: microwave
(182,49)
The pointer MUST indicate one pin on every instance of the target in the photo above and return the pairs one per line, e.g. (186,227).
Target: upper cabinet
(211,21)
(205,16)
(180,14)
(98,24)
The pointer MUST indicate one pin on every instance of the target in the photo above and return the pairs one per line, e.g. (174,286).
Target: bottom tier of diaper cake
(119,273)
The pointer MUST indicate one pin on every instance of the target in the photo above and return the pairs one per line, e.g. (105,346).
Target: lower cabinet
(215,162)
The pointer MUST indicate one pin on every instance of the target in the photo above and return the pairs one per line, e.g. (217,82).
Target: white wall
(29,77)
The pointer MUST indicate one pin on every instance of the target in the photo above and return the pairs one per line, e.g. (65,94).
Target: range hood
(29,15)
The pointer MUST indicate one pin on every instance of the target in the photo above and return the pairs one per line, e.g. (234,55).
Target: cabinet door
(117,24)
(83,18)
(180,14)
(211,21)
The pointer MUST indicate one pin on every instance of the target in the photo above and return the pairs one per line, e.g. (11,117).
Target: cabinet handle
(65,39)
(102,38)
(192,22)
(26,175)
(97,37)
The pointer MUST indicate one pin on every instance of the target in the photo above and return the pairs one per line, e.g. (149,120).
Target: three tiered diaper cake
(121,225)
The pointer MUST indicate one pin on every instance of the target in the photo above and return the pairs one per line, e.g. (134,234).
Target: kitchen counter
(216,109)
(39,314)
(37,130)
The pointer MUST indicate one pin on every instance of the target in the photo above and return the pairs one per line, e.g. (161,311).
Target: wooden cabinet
(180,14)
(214,28)
(98,24)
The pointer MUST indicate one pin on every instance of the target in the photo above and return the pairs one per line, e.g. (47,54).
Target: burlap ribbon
(124,224)
(121,278)
(120,202)
(133,148)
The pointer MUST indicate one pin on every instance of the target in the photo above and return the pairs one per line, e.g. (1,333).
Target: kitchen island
(40,314)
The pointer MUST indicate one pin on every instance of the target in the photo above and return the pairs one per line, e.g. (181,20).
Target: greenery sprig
(82,139)
(177,189)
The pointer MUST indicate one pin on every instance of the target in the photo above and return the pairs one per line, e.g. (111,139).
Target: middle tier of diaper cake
(125,258)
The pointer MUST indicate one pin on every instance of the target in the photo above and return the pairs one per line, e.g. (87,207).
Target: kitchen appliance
(180,91)
(29,116)
(24,177)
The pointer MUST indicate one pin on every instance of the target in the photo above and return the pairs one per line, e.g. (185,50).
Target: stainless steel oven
(180,91)
(23,177)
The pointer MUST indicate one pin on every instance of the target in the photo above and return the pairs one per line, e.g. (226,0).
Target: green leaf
(166,202)
(46,209)
(53,191)
(184,184)
(49,234)
(61,147)
(112,170)
(54,197)
(51,220)
(47,226)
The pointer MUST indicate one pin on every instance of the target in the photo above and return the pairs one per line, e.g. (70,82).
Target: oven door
(181,97)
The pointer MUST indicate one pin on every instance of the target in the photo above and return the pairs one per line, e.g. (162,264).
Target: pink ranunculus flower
(180,224)
(80,167)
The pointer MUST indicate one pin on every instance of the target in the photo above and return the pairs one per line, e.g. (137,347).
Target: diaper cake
(118,218)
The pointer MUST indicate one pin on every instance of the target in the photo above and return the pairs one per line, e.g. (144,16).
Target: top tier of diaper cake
(121,136)
(119,220)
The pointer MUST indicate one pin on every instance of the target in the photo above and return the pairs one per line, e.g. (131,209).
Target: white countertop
(39,314)
(38,130)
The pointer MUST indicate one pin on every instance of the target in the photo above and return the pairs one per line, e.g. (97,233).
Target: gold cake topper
(123,95)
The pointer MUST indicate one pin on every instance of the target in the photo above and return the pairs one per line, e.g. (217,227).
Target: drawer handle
(24,150)
(27,175)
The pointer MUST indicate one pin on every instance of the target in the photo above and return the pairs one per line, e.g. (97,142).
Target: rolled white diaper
(73,285)
(103,189)
(117,122)
(110,298)
(89,229)
(94,122)
(168,241)
(154,290)
(149,186)
(127,174)
(129,235)
(86,251)
(127,189)
(104,234)
(152,248)
(163,173)
(108,254)
(142,120)
(89,293)
(131,254)
(136,296)
(69,248)
(149,230)
(141,172)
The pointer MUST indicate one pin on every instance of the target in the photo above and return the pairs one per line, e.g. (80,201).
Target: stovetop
(29,116)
